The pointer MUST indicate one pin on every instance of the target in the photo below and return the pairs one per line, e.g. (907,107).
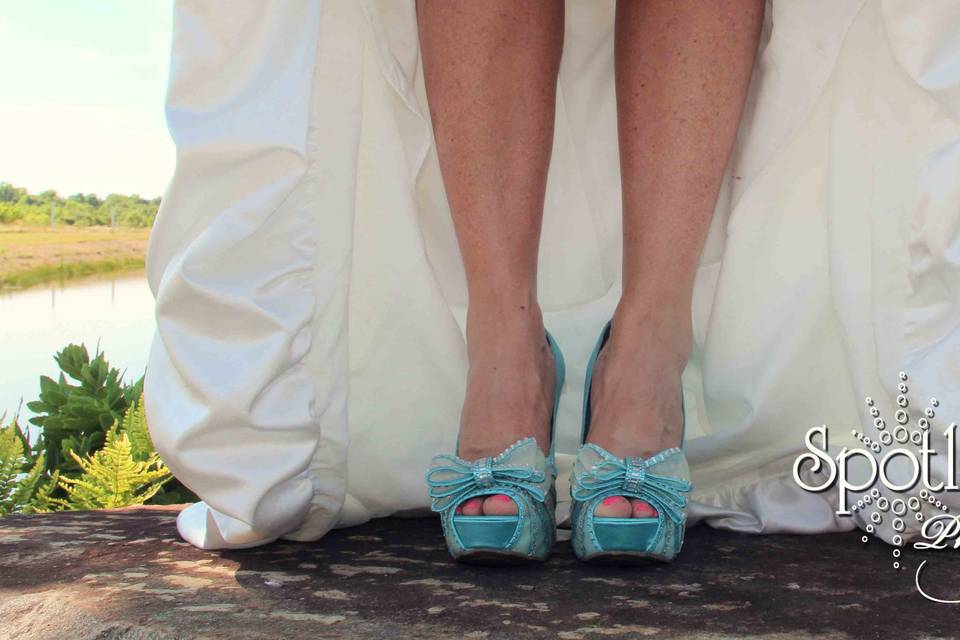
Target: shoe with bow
(521,472)
(662,481)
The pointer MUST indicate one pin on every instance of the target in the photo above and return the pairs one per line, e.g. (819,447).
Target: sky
(82,85)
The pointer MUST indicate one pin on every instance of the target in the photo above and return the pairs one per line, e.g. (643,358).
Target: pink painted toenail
(612,500)
(502,497)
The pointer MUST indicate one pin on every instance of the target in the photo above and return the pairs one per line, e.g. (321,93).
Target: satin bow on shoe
(522,466)
(660,480)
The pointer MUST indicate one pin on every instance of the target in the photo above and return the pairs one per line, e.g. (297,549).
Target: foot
(635,404)
(510,388)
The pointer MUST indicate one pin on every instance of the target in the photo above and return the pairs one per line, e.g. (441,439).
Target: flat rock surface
(126,574)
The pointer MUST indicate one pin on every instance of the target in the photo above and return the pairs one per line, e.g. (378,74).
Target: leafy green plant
(43,500)
(77,417)
(21,475)
(112,477)
(134,424)
(93,449)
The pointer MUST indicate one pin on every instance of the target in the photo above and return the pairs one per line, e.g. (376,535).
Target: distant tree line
(81,210)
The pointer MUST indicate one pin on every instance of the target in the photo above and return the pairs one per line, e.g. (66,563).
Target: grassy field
(31,255)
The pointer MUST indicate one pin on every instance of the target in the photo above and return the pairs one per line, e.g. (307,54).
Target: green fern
(134,424)
(20,475)
(112,478)
(43,501)
(26,491)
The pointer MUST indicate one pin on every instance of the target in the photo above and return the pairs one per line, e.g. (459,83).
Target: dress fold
(309,358)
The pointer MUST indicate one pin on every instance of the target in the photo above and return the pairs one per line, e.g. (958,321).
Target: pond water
(115,310)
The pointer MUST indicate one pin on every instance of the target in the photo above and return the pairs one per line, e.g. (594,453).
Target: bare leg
(490,68)
(682,71)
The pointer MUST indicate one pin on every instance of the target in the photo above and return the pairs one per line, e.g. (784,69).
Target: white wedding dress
(309,358)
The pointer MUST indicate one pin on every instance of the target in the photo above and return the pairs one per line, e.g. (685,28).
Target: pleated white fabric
(309,357)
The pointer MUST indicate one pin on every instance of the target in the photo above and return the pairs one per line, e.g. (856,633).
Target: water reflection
(115,310)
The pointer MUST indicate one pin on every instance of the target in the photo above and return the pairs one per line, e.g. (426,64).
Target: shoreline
(36,255)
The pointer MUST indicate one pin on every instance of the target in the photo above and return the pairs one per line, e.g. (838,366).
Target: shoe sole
(496,558)
(625,559)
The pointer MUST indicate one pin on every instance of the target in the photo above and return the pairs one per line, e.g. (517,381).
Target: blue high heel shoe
(521,472)
(662,480)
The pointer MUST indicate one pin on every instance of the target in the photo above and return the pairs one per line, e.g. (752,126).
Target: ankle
(511,321)
(511,380)
(664,331)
